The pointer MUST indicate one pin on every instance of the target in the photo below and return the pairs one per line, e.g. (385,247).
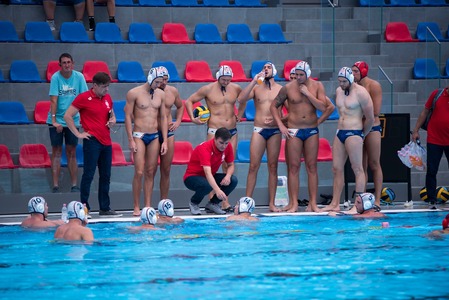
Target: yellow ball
(442,194)
(387,195)
(202,112)
(423,194)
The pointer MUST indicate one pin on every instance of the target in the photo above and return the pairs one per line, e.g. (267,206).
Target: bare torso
(349,109)
(263,97)
(221,105)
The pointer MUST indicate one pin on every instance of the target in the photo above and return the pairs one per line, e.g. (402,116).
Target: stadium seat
(272,34)
(153,3)
(424,35)
(34,156)
(13,112)
(288,65)
(174,76)
(73,32)
(257,66)
(5,158)
(183,151)
(24,71)
(253,3)
(425,68)
(92,67)
(119,112)
(243,152)
(130,71)
(38,32)
(106,32)
(52,68)
(142,33)
(185,115)
(41,109)
(434,2)
(239,34)
(223,3)
(198,71)
(372,3)
(79,156)
(185,3)
(282,151)
(397,32)
(237,70)
(8,32)
(250,110)
(324,150)
(207,34)
(410,3)
(175,33)
(125,3)
(118,158)
(333,116)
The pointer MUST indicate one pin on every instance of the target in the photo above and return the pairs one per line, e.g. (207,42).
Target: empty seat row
(410,3)
(175,3)
(172,33)
(425,31)
(426,68)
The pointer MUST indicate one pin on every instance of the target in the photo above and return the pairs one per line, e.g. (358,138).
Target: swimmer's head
(38,205)
(75,210)
(148,216)
(155,77)
(166,208)
(165,77)
(364,201)
(224,75)
(360,67)
(269,69)
(445,222)
(304,67)
(292,75)
(345,79)
(246,205)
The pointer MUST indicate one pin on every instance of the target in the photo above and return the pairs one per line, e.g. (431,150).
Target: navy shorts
(57,138)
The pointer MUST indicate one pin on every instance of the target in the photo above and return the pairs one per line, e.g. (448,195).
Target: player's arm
(179,111)
(367,109)
(194,98)
(129,111)
(330,107)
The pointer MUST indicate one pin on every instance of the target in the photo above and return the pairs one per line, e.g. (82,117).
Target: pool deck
(397,207)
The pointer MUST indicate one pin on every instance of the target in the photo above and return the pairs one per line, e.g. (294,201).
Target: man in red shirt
(97,116)
(201,175)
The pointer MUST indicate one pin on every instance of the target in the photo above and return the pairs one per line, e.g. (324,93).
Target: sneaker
(55,189)
(109,213)
(432,205)
(91,24)
(194,209)
(347,203)
(408,203)
(75,189)
(52,25)
(215,208)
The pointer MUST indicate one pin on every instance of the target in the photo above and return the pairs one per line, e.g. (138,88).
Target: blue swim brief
(169,134)
(344,134)
(266,133)
(303,133)
(377,128)
(147,138)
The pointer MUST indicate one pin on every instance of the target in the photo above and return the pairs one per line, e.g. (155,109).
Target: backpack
(426,122)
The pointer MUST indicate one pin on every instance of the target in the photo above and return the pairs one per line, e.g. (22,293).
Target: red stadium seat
(183,151)
(34,156)
(185,115)
(118,158)
(324,150)
(41,110)
(5,158)
(52,68)
(282,151)
(175,33)
(92,67)
(198,71)
(237,70)
(288,65)
(398,32)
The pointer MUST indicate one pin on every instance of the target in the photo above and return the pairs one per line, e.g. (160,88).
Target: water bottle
(64,213)
(260,79)
(281,198)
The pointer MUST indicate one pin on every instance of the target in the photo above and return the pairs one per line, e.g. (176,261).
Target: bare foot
(331,207)
(136,212)
(293,209)
(274,208)
(312,208)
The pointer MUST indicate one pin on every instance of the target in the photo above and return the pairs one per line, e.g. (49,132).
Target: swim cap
(292,71)
(367,200)
(446,222)
(304,66)
(148,216)
(155,73)
(164,71)
(36,205)
(363,68)
(75,210)
(166,207)
(346,73)
(275,72)
(246,205)
(224,70)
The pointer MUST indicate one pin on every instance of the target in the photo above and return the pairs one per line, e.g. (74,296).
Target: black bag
(426,122)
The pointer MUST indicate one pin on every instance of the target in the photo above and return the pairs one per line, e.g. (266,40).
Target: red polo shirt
(94,113)
(207,154)
(438,128)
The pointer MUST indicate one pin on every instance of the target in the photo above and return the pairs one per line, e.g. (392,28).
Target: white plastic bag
(413,155)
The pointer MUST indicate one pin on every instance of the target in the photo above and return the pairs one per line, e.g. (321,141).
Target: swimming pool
(288,257)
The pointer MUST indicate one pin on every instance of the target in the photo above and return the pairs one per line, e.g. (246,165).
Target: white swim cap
(224,70)
(275,72)
(75,210)
(367,200)
(292,71)
(164,71)
(148,216)
(246,205)
(155,73)
(166,208)
(346,73)
(304,66)
(36,205)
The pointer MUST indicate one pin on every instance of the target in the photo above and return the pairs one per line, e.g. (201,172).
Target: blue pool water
(291,257)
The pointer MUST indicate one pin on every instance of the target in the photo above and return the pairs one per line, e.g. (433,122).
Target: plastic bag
(413,155)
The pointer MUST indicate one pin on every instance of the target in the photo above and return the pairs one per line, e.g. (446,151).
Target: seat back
(24,71)
(254,3)
(34,156)
(372,3)
(106,32)
(172,70)
(239,33)
(175,33)
(5,158)
(324,150)
(73,32)
(79,156)
(52,68)
(152,3)
(434,2)
(185,3)
(185,115)
(125,3)
(182,152)
(216,3)
(333,116)
(282,151)
(237,70)
(403,3)
(271,33)
(142,33)
(257,66)
(13,112)
(38,32)
(8,32)
(41,109)
(198,71)
(119,112)
(207,34)
(424,35)
(118,158)
(425,68)
(250,110)
(243,152)
(130,71)
(288,65)
(398,32)
(92,67)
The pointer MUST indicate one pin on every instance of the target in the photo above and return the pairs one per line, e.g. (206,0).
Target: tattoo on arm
(281,97)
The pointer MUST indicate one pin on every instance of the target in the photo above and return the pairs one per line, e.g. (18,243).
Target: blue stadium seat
(142,33)
(24,71)
(8,32)
(424,35)
(106,32)
(130,71)
(207,34)
(153,3)
(434,2)
(243,152)
(13,112)
(126,3)
(403,3)
(79,156)
(239,33)
(38,32)
(185,3)
(253,3)
(271,33)
(425,68)
(372,3)
(73,32)
(223,3)
(250,110)
(174,76)
(118,106)
(333,116)
(257,66)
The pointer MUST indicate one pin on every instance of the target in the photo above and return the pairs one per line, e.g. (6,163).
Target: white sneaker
(194,209)
(408,203)
(52,25)
(215,208)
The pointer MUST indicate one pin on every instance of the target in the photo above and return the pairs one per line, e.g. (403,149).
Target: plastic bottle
(64,213)
(260,79)
(281,198)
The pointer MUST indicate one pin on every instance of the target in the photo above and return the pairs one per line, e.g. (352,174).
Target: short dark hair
(223,133)
(101,78)
(65,55)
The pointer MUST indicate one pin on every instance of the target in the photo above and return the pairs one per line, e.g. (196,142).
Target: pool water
(293,257)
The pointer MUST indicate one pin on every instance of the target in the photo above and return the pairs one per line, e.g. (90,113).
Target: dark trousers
(96,154)
(201,187)
(434,154)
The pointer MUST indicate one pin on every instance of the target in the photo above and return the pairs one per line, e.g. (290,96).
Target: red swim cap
(446,222)
(363,68)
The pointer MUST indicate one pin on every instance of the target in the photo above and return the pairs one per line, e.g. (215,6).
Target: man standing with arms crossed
(145,107)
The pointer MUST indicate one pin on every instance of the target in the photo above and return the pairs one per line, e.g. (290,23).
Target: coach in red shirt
(201,175)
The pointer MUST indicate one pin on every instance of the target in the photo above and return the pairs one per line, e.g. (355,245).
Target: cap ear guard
(305,67)
(75,210)
(363,68)
(346,73)
(224,70)
(148,216)
(246,205)
(36,205)
(166,208)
